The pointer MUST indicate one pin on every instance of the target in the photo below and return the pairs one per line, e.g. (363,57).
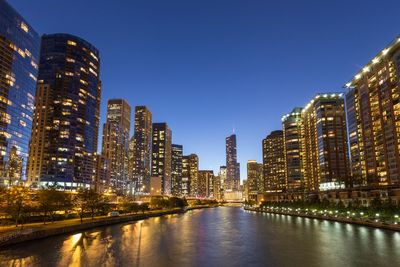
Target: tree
(87,200)
(50,201)
(16,201)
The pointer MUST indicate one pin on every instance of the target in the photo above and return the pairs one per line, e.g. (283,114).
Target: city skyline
(246,70)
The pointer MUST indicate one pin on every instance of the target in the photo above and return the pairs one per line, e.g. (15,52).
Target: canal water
(224,236)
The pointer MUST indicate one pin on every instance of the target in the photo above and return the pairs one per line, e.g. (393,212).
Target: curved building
(19,53)
(66,120)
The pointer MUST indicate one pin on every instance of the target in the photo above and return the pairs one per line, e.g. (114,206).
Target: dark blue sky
(209,66)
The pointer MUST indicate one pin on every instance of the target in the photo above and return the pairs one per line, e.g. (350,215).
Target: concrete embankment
(382,225)
(28,234)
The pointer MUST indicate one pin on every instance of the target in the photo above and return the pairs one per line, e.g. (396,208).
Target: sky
(211,67)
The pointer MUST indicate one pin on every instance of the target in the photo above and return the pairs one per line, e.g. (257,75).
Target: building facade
(19,50)
(115,145)
(255,181)
(194,175)
(324,143)
(205,184)
(161,156)
(273,162)
(291,126)
(141,145)
(185,185)
(373,110)
(176,170)
(232,181)
(66,120)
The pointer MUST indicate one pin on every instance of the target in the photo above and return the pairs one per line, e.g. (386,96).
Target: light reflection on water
(223,236)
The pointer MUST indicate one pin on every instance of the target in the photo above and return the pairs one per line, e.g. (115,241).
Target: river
(224,236)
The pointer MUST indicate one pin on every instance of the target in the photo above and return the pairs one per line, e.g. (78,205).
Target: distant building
(222,175)
(218,194)
(232,166)
(273,163)
(176,167)
(19,50)
(291,125)
(373,120)
(115,146)
(206,184)
(324,143)
(102,176)
(141,145)
(66,122)
(255,180)
(161,156)
(193,161)
(185,176)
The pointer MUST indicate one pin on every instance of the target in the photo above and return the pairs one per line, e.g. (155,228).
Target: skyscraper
(193,161)
(19,50)
(115,146)
(373,110)
(273,163)
(141,149)
(255,181)
(205,184)
(185,176)
(232,166)
(176,166)
(324,143)
(161,155)
(291,125)
(66,120)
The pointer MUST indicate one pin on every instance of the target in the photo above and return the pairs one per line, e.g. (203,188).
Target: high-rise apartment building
(291,125)
(324,143)
(255,180)
(373,110)
(67,110)
(205,184)
(161,155)
(141,145)
(176,170)
(115,145)
(273,163)
(19,57)
(185,185)
(232,166)
(193,161)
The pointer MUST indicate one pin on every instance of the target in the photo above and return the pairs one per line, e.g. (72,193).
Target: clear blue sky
(209,66)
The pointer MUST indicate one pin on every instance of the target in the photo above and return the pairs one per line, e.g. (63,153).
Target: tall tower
(19,50)
(66,121)
(141,149)
(193,161)
(115,146)
(273,163)
(255,179)
(185,176)
(324,143)
(291,125)
(176,173)
(161,156)
(232,166)
(373,112)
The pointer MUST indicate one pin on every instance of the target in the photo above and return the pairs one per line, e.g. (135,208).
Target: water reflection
(224,236)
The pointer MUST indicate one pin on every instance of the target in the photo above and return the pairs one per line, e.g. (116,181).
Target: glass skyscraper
(66,120)
(19,53)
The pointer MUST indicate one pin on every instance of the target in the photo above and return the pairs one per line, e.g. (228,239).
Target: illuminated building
(205,184)
(193,161)
(222,175)
(115,145)
(185,185)
(19,50)
(161,156)
(232,166)
(217,188)
(102,176)
(176,167)
(273,163)
(291,125)
(255,181)
(141,144)
(324,143)
(67,110)
(373,108)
